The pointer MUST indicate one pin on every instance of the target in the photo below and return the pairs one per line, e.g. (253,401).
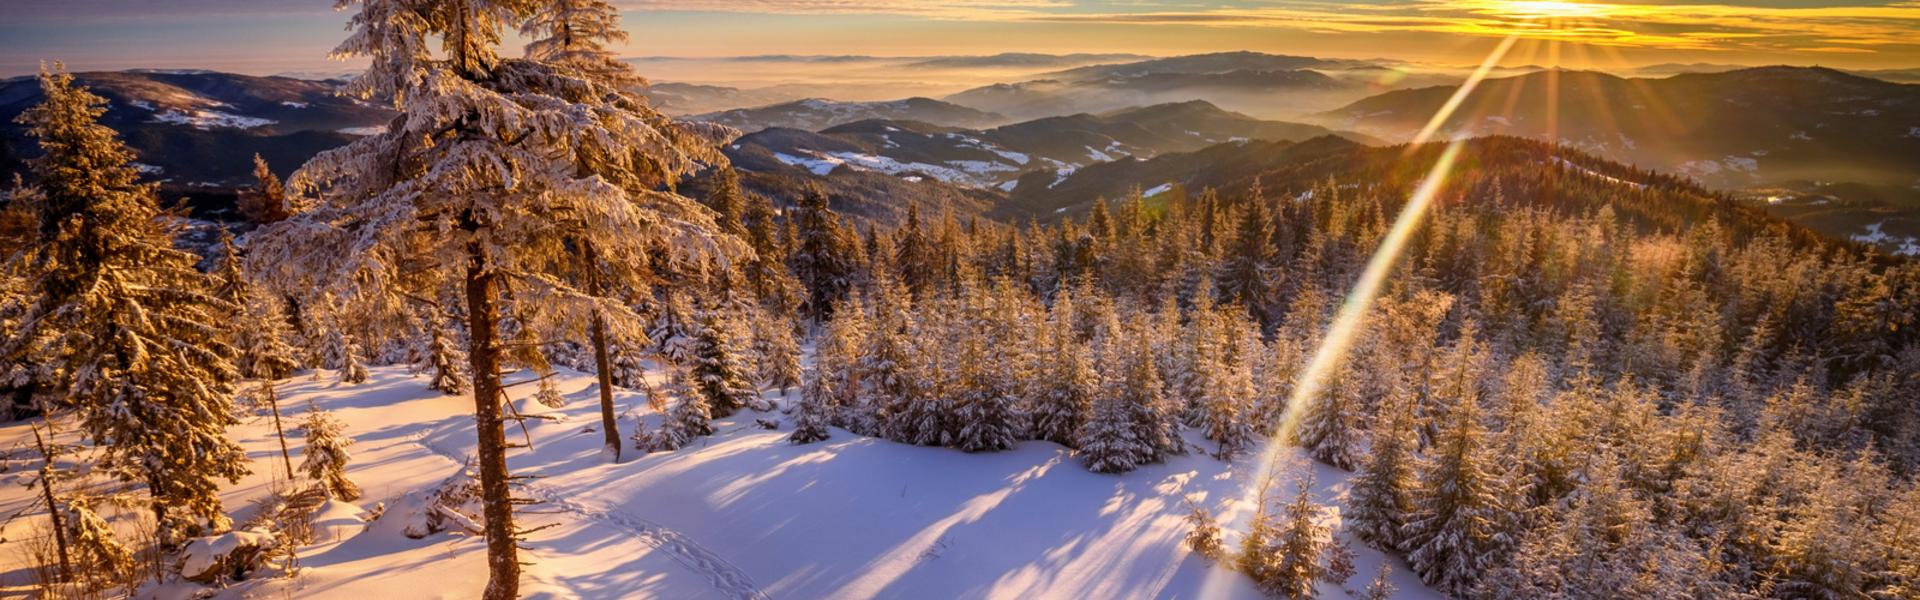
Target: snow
(1097,155)
(1800,135)
(292,104)
(1913,132)
(368,130)
(1904,246)
(1008,186)
(141,104)
(209,119)
(818,166)
(1157,190)
(1062,175)
(147,169)
(741,514)
(1609,178)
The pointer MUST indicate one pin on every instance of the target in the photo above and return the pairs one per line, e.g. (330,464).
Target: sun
(1548,9)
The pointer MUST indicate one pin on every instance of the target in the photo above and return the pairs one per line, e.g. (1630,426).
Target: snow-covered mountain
(814,114)
(201,128)
(997,157)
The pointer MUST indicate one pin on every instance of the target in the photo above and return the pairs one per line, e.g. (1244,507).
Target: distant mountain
(814,114)
(687,98)
(1748,128)
(201,128)
(1251,82)
(998,157)
(1218,62)
(1021,60)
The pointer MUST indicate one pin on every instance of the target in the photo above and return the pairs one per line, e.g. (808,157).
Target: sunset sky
(271,36)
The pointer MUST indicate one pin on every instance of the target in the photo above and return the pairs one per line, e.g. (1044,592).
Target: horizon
(279,36)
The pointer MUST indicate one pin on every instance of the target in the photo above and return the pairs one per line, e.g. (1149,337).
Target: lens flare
(1352,314)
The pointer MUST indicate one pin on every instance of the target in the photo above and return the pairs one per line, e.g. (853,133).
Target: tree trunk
(503,564)
(603,367)
(53,507)
(273,402)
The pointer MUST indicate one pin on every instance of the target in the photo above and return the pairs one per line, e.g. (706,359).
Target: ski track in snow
(725,577)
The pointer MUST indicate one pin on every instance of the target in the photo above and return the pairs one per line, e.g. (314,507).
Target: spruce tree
(1330,426)
(267,202)
(126,317)
(327,455)
(720,367)
(98,556)
(1297,547)
(1459,527)
(814,412)
(779,351)
(442,360)
(1384,489)
(689,418)
(494,172)
(1069,385)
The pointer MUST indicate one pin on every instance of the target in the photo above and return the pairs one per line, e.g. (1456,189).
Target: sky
(276,36)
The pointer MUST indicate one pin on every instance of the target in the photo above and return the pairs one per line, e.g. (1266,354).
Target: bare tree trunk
(273,402)
(53,507)
(603,367)
(503,564)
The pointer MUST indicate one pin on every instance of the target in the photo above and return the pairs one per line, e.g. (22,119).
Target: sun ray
(1353,310)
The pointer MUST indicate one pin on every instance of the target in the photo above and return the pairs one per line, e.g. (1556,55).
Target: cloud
(1810,26)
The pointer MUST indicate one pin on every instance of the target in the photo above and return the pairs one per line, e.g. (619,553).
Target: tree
(720,368)
(126,316)
(1204,537)
(1384,490)
(1382,586)
(508,164)
(442,360)
(267,201)
(1459,528)
(1297,548)
(1129,426)
(98,556)
(819,259)
(779,351)
(327,455)
(689,418)
(815,411)
(984,413)
(1065,399)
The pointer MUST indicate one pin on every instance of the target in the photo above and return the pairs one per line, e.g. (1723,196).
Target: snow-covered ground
(742,514)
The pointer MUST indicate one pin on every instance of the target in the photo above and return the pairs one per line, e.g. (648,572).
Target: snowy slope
(742,514)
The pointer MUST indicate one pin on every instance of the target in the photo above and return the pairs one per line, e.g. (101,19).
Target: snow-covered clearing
(209,119)
(742,514)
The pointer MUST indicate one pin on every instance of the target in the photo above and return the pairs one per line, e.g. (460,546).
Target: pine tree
(442,361)
(1330,426)
(1382,586)
(815,411)
(984,411)
(126,316)
(267,201)
(720,368)
(779,352)
(97,554)
(1204,537)
(494,174)
(1130,426)
(689,418)
(1297,547)
(1066,395)
(1384,490)
(327,455)
(1459,528)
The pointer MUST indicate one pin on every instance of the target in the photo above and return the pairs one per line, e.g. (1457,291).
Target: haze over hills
(813,114)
